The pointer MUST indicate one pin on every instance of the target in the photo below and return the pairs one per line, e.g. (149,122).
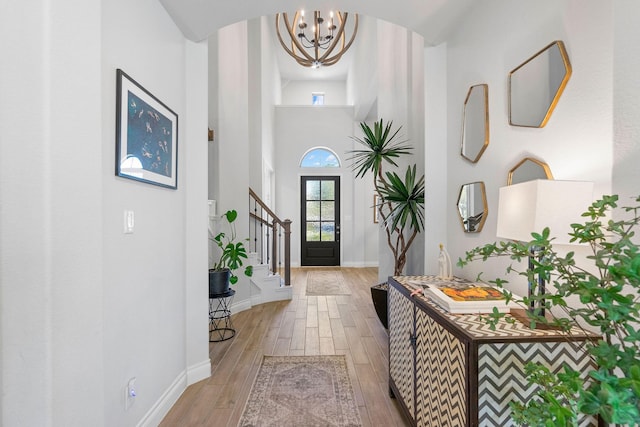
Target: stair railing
(270,237)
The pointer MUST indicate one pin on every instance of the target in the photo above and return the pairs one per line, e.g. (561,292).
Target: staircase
(270,255)
(267,286)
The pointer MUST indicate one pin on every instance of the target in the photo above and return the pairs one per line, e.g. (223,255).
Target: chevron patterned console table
(453,370)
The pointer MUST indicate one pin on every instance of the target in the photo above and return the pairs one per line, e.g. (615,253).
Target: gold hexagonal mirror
(472,206)
(529,169)
(475,123)
(536,85)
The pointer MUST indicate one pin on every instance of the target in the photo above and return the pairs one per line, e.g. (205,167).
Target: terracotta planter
(218,282)
(379,296)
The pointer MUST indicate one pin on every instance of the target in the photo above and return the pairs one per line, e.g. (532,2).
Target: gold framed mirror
(535,86)
(529,169)
(475,123)
(472,206)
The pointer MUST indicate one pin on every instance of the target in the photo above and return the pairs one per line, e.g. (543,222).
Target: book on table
(468,298)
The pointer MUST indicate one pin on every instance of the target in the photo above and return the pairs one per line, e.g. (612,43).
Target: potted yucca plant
(401,206)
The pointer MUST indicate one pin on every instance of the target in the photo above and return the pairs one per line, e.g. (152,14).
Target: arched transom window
(320,157)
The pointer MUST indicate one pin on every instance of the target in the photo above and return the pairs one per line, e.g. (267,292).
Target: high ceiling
(433,19)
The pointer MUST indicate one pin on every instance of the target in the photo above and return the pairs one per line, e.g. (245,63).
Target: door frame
(320,174)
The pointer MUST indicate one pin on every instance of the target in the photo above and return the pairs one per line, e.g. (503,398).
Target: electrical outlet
(130,393)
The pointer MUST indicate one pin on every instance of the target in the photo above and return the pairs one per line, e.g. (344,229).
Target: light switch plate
(128,222)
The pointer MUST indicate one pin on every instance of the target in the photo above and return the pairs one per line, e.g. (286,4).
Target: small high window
(320,157)
(317,98)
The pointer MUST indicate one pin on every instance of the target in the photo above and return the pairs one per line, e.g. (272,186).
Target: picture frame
(146,135)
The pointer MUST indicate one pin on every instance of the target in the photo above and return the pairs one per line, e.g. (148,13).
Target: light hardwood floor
(306,325)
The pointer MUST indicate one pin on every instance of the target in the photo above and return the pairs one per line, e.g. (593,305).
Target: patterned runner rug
(326,283)
(301,391)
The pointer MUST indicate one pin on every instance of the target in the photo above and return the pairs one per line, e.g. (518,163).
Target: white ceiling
(433,19)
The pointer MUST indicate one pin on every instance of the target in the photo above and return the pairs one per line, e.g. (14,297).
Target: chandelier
(318,48)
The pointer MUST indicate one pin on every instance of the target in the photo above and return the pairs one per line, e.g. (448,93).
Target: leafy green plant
(401,208)
(608,291)
(233,252)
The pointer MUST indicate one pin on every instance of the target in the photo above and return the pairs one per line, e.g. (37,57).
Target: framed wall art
(146,135)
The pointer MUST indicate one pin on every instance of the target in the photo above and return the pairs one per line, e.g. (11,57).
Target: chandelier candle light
(319,47)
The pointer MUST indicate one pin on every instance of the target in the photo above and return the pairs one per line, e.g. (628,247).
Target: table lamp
(533,205)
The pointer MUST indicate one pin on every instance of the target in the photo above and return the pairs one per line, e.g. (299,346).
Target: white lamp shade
(533,205)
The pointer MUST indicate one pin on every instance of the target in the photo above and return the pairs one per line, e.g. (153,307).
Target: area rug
(301,391)
(326,283)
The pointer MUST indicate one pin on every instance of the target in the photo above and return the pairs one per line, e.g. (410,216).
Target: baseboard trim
(239,306)
(161,408)
(154,416)
(362,264)
(198,372)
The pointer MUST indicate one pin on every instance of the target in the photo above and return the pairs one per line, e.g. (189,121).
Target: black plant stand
(220,326)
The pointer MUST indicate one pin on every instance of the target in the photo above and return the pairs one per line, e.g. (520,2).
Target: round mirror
(536,85)
(529,169)
(472,206)
(475,123)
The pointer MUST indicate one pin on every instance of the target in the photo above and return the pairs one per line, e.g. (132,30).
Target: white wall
(297,130)
(626,99)
(51,285)
(362,80)
(155,286)
(213,119)
(416,126)
(84,307)
(437,212)
(400,94)
(298,92)
(232,171)
(271,95)
(577,143)
(198,365)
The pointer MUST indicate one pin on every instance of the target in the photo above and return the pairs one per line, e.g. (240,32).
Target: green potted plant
(232,256)
(609,295)
(401,206)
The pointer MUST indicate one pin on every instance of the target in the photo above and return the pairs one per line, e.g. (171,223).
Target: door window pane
(313,231)
(313,211)
(327,211)
(328,232)
(313,190)
(328,190)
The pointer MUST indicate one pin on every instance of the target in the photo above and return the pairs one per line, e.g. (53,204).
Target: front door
(320,220)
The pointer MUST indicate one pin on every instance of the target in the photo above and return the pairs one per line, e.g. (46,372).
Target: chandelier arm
(282,43)
(299,60)
(294,39)
(316,35)
(333,59)
(337,37)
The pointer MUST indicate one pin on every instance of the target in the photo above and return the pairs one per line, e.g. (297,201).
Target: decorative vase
(218,282)
(379,296)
